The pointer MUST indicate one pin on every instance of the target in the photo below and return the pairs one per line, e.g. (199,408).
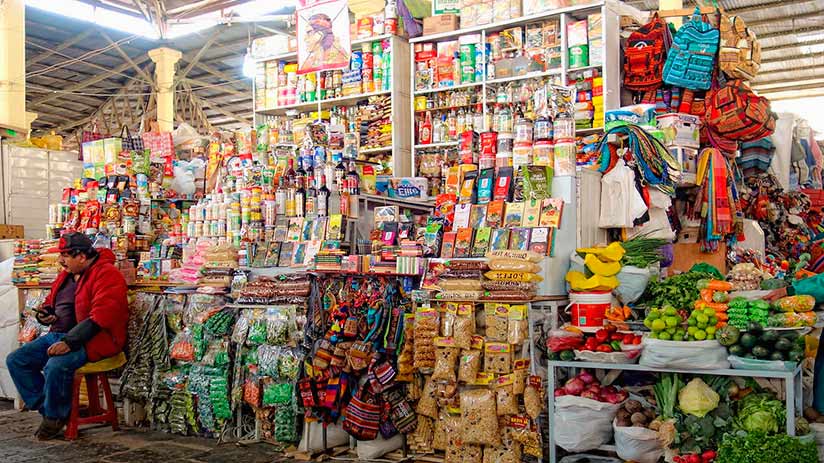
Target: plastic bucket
(588,309)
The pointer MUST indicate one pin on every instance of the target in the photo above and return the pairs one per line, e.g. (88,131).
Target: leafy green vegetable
(666,393)
(760,413)
(679,291)
(642,252)
(760,448)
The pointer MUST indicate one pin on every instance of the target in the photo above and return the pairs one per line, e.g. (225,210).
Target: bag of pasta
(517,326)
(513,265)
(480,422)
(506,275)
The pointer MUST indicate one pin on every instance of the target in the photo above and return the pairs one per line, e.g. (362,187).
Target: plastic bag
(534,397)
(583,424)
(505,275)
(743,363)
(378,447)
(517,328)
(497,358)
(464,327)
(621,203)
(182,347)
(497,321)
(696,398)
(469,365)
(694,355)
(559,340)
(445,360)
(459,284)
(479,418)
(797,303)
(515,254)
(513,265)
(633,283)
(637,444)
(792,319)
(505,398)
(428,405)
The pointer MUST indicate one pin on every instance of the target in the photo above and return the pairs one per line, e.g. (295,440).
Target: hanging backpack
(691,59)
(362,417)
(645,54)
(734,112)
(739,56)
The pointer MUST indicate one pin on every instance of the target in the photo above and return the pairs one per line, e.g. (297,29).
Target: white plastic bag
(633,281)
(637,444)
(312,439)
(742,363)
(376,448)
(693,355)
(621,203)
(658,225)
(583,424)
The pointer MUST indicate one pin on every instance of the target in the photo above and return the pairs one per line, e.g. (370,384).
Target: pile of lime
(666,324)
(702,325)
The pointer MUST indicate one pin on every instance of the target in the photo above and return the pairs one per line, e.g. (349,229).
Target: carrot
(722,316)
(706,294)
(719,285)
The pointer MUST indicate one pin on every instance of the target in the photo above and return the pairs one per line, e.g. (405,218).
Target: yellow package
(503,275)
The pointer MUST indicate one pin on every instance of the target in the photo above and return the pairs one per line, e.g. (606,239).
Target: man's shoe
(50,429)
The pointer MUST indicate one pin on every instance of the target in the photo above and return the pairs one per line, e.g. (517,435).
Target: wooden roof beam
(128,59)
(194,60)
(60,47)
(220,110)
(225,88)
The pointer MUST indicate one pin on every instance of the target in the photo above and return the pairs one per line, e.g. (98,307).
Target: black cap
(73,241)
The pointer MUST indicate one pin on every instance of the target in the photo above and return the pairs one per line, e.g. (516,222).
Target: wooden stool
(95,374)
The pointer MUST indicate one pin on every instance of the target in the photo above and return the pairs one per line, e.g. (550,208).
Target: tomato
(637,340)
(628,338)
(708,456)
(602,335)
(693,458)
(616,337)
(591,344)
(604,348)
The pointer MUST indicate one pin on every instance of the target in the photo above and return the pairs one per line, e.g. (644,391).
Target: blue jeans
(44,382)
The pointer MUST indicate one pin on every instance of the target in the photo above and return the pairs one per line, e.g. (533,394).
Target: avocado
(760,352)
(748,340)
(783,345)
(768,338)
(777,356)
(790,335)
(755,328)
(737,350)
(567,355)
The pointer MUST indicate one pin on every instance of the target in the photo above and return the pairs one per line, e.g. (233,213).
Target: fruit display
(601,266)
(756,343)
(668,324)
(563,343)
(585,385)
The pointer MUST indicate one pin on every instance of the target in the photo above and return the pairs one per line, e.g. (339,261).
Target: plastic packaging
(469,365)
(792,319)
(583,424)
(797,303)
(445,360)
(513,265)
(693,355)
(479,418)
(501,275)
(506,400)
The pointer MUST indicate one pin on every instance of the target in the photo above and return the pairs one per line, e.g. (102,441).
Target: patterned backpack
(740,54)
(645,54)
(691,59)
(734,112)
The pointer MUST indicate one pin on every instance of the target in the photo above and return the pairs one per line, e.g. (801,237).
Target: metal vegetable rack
(792,386)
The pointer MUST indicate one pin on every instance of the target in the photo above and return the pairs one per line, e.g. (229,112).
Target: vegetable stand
(792,385)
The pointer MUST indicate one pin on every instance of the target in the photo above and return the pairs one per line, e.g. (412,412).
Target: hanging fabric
(717,200)
(654,162)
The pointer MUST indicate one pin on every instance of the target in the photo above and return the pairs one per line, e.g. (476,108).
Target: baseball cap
(72,242)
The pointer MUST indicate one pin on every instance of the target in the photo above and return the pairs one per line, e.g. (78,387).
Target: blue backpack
(691,59)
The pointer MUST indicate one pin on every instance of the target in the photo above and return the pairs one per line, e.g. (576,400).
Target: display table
(792,386)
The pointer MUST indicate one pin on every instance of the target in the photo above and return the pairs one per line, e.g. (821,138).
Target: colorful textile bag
(734,112)
(645,54)
(691,60)
(739,56)
(362,417)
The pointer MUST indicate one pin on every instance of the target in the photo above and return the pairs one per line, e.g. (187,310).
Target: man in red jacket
(88,314)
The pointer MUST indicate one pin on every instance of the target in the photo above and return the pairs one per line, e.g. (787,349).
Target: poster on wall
(323,36)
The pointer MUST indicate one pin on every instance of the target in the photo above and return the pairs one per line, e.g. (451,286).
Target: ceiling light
(249,66)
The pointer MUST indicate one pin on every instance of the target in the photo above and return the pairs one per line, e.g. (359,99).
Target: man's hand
(58,348)
(776,294)
(45,318)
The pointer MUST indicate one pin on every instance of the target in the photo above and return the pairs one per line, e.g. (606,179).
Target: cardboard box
(688,158)
(680,129)
(689,254)
(11,232)
(440,23)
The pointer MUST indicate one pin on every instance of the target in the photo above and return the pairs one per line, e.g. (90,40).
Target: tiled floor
(101,444)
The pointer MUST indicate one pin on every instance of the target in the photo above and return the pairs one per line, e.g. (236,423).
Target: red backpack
(645,55)
(734,112)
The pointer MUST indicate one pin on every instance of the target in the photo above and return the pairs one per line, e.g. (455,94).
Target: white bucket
(589,308)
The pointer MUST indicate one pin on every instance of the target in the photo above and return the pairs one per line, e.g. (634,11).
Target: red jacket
(100,295)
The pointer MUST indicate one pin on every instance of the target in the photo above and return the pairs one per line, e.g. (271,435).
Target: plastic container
(588,308)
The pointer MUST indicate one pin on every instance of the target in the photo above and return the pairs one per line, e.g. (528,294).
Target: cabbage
(696,398)
(760,413)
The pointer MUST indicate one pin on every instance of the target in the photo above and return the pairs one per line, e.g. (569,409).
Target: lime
(671,330)
(700,335)
(713,321)
(701,318)
(702,326)
(670,311)
(711,330)
(709,312)
(658,325)
(671,321)
(648,322)
(653,335)
(691,321)
(664,336)
(691,330)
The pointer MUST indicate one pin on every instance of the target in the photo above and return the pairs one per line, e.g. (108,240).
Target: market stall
(515,238)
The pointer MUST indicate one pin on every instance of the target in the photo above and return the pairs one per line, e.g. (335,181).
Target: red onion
(589,395)
(574,386)
(586,377)
(560,392)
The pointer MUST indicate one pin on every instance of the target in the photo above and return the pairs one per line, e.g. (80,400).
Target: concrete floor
(99,444)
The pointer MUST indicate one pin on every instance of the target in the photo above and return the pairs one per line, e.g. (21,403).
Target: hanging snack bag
(446,358)
(480,421)
(463,328)
(497,358)
(497,321)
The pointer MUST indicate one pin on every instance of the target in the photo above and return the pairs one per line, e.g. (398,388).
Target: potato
(650,413)
(633,406)
(639,419)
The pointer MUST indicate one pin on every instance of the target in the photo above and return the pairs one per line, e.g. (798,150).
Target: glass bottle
(425,135)
(280,198)
(354,179)
(323,198)
(311,198)
(300,199)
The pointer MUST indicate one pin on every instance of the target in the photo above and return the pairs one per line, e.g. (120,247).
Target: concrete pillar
(30,118)
(165,60)
(672,5)
(13,65)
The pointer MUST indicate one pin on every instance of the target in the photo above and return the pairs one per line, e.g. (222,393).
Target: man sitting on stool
(88,313)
